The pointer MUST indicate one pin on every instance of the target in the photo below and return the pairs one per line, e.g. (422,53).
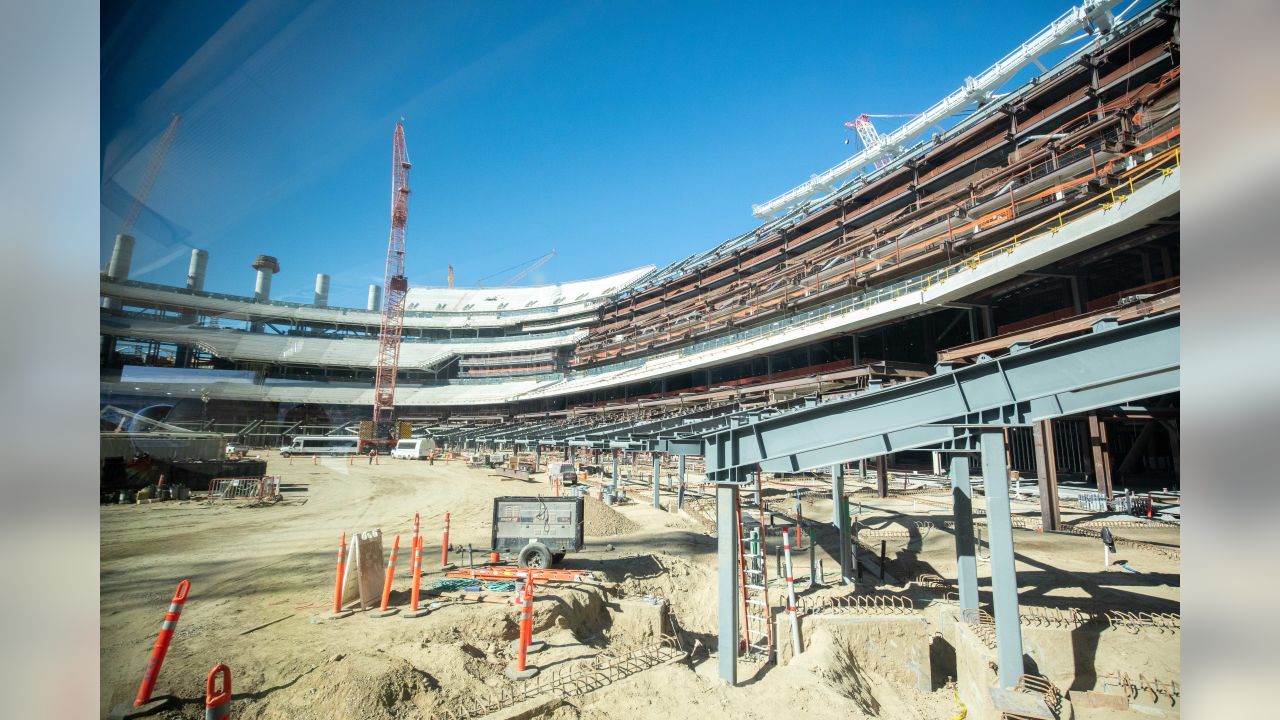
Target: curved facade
(1057,200)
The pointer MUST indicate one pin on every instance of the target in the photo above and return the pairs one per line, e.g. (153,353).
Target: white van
(321,445)
(411,449)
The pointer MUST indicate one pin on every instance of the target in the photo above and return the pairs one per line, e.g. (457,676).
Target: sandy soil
(262,576)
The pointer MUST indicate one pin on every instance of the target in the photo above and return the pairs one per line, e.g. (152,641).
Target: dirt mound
(358,687)
(603,521)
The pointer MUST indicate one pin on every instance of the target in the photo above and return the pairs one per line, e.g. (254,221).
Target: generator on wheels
(537,531)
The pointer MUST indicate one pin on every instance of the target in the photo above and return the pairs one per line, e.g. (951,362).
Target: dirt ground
(262,577)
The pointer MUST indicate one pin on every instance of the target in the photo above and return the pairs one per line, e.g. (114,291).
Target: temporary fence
(256,489)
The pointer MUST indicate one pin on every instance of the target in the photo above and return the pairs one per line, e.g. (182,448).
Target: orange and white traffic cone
(217,703)
(525,645)
(162,644)
(414,611)
(384,611)
(338,613)
(444,546)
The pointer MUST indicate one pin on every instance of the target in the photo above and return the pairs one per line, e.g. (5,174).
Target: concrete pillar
(837,492)
(862,469)
(121,258)
(962,509)
(882,476)
(375,298)
(1101,453)
(937,463)
(727,574)
(266,267)
(1004,577)
(322,290)
(118,267)
(615,472)
(680,480)
(657,475)
(196,269)
(1046,474)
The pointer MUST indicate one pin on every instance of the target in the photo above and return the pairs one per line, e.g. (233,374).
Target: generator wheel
(557,558)
(535,555)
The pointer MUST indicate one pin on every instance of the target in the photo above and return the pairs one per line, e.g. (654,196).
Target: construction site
(907,448)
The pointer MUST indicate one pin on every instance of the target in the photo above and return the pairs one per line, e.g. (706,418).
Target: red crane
(395,287)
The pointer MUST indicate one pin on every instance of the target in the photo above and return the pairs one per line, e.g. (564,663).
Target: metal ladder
(757,617)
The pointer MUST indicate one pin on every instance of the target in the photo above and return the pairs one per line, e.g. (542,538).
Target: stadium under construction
(984,309)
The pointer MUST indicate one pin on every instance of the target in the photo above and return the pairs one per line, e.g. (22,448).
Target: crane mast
(395,287)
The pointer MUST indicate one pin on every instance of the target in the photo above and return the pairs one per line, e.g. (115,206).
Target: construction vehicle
(537,531)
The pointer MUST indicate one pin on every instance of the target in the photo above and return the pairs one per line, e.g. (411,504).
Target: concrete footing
(525,674)
(415,613)
(127,710)
(383,613)
(340,615)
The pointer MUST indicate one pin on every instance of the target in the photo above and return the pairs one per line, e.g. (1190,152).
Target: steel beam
(680,480)
(727,562)
(657,477)
(837,492)
(1047,475)
(1108,367)
(962,509)
(1004,577)
(1101,453)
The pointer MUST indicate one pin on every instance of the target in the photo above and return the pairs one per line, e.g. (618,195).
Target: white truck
(411,449)
(565,472)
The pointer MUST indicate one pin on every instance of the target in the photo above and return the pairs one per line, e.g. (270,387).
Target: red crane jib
(395,287)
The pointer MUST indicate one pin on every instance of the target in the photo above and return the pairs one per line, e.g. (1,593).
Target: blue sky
(618,133)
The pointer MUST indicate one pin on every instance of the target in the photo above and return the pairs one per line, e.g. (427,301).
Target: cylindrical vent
(195,271)
(266,266)
(262,287)
(375,298)
(121,258)
(322,290)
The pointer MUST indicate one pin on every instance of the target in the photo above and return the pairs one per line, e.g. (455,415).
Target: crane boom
(528,269)
(395,287)
(149,177)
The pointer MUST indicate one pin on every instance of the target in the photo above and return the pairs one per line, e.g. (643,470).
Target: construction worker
(372,453)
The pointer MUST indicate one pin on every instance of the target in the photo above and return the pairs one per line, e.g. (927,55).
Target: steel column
(657,470)
(1004,577)
(847,560)
(680,482)
(837,492)
(1101,454)
(882,476)
(727,560)
(1047,475)
(962,509)
(615,473)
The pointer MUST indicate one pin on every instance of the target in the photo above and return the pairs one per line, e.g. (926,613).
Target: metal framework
(1090,16)
(395,287)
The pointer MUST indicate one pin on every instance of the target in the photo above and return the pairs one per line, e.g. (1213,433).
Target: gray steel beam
(1004,577)
(680,480)
(657,479)
(962,504)
(1120,364)
(1047,474)
(837,492)
(727,561)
